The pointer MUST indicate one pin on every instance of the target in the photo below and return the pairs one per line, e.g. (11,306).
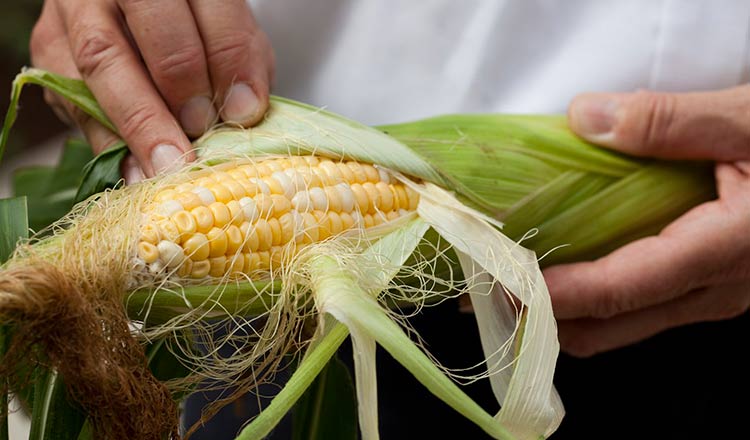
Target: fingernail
(594,116)
(132,173)
(197,115)
(166,158)
(240,104)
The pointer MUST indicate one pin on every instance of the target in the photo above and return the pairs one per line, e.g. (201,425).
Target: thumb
(703,125)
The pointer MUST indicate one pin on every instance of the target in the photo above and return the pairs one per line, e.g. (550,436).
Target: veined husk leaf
(522,379)
(532,172)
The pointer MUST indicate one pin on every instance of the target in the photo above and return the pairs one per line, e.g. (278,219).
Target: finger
(586,337)
(117,78)
(167,37)
(50,50)
(240,59)
(704,125)
(643,273)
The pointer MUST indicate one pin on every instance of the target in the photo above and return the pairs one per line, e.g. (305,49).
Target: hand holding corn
(157,69)
(698,268)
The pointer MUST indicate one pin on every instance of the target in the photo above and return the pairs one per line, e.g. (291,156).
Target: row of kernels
(235,265)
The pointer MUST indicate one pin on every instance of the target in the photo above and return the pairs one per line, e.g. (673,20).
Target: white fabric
(383,61)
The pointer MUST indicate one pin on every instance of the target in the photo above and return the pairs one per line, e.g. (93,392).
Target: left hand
(698,267)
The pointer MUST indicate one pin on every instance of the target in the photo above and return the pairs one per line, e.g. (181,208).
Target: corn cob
(243,217)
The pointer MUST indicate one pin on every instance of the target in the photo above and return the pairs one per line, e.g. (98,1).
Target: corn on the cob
(243,217)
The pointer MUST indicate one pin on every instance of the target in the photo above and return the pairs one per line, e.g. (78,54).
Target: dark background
(688,383)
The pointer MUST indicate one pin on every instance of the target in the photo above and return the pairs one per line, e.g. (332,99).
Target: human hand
(698,268)
(159,69)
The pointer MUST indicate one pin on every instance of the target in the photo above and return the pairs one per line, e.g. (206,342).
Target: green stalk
(315,360)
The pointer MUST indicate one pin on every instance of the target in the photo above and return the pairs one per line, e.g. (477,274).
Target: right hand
(160,69)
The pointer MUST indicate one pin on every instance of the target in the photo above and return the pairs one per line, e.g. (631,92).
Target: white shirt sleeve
(386,61)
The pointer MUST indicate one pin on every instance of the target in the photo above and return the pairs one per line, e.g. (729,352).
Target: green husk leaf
(52,415)
(102,172)
(313,363)
(73,90)
(291,127)
(339,294)
(328,409)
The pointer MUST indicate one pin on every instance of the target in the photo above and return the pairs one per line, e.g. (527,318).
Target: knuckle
(578,345)
(654,115)
(180,64)
(137,119)
(733,308)
(611,299)
(94,49)
(230,50)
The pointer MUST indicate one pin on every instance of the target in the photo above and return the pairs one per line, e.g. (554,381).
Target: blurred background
(36,122)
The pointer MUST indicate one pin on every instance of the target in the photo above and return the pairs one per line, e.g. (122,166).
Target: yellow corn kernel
(221,213)
(346,173)
(288,226)
(321,219)
(164,195)
(274,165)
(236,215)
(334,198)
(186,268)
(275,226)
(200,269)
(252,262)
(357,171)
(310,231)
(368,221)
(148,252)
(385,196)
(250,239)
(373,195)
(347,221)
(197,247)
(150,234)
(217,242)
(264,205)
(221,176)
(185,223)
(392,215)
(234,188)
(399,195)
(234,239)
(280,204)
(265,235)
(189,200)
(372,174)
(249,187)
(220,192)
(218,266)
(361,199)
(204,219)
(274,185)
(264,258)
(330,168)
(168,231)
(235,264)
(184,187)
